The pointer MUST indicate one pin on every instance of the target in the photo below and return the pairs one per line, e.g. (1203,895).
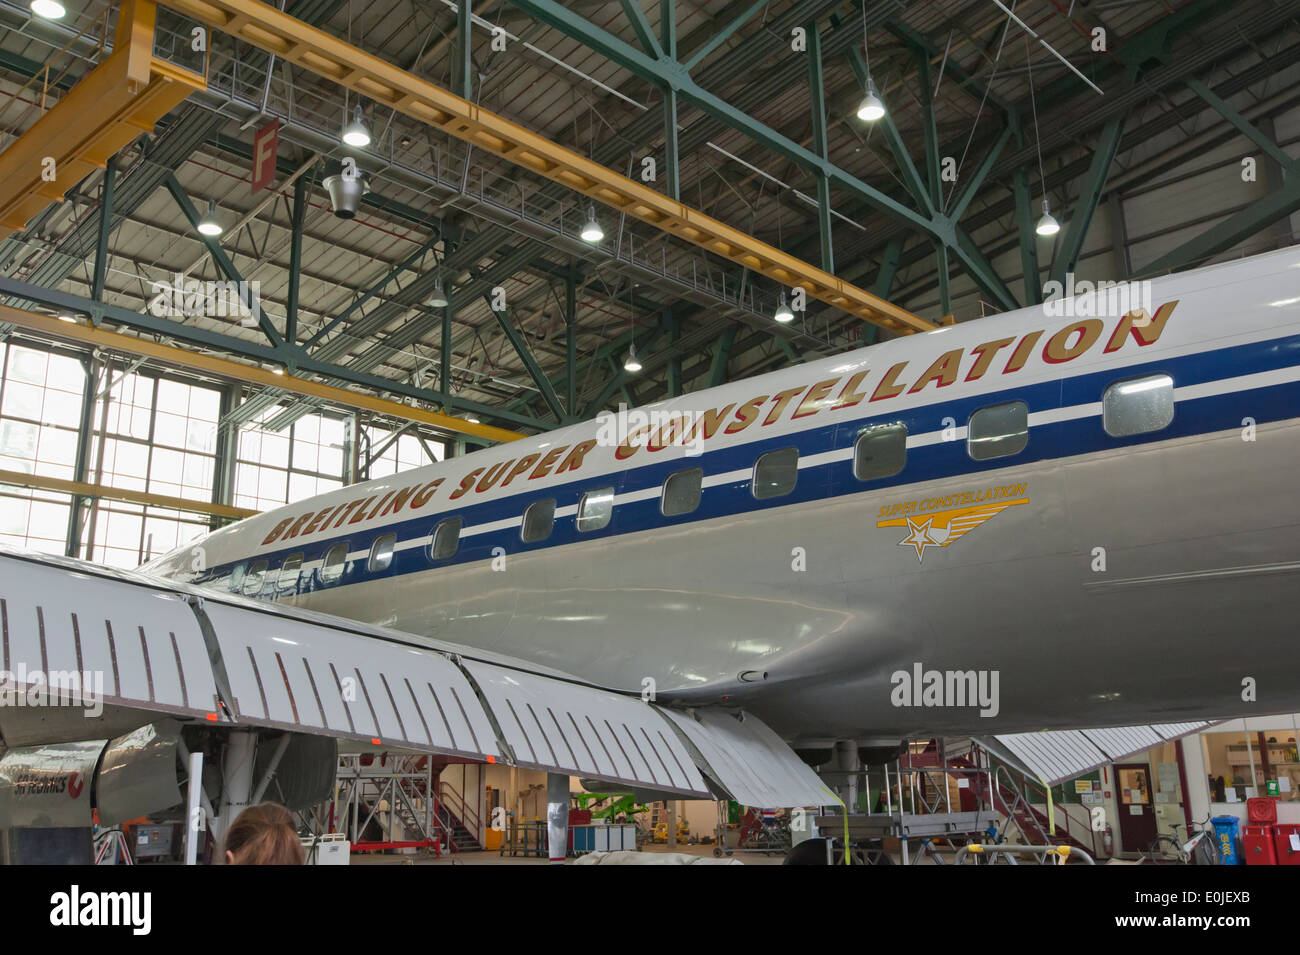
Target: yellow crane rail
(40,482)
(263,26)
(122,97)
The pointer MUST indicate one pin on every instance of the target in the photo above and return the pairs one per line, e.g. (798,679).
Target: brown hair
(264,835)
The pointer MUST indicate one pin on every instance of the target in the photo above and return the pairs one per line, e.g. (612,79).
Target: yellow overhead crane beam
(238,371)
(261,25)
(122,97)
(40,482)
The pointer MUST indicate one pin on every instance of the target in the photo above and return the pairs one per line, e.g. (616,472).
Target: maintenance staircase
(1016,797)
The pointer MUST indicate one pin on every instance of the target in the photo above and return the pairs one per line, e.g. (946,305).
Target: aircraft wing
(161,647)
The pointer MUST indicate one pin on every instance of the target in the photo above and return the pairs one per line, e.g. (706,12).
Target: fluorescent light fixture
(872,106)
(631,364)
(439,298)
(48,9)
(783,313)
(471,419)
(592,232)
(209,225)
(1047,225)
(356,133)
(277,370)
(66,317)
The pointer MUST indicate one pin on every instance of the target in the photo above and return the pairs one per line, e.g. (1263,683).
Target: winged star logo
(945,527)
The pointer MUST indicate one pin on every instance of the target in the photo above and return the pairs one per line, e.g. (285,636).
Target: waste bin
(1257,843)
(1226,829)
(1283,834)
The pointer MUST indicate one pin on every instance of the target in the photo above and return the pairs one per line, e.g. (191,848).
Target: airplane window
(289,572)
(681,492)
(880,452)
(237,576)
(331,568)
(998,430)
(775,473)
(381,552)
(1138,406)
(254,578)
(595,509)
(446,539)
(538,521)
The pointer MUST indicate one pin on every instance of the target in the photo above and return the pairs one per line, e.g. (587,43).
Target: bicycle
(1200,848)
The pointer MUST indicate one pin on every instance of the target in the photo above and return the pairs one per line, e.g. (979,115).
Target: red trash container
(1282,834)
(1261,809)
(1259,845)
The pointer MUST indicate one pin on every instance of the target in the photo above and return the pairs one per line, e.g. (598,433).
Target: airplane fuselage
(1101,540)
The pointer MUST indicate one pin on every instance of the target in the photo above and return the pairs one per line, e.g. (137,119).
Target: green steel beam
(444,346)
(295,259)
(297,357)
(821,144)
(941,269)
(676,76)
(675,361)
(223,261)
(1244,126)
(1236,228)
(911,178)
(668,28)
(1028,237)
(463,57)
(721,355)
(976,179)
(529,361)
(720,37)
(1103,156)
(406,265)
(967,81)
(672,155)
(105,229)
(935,184)
(571,342)
(645,34)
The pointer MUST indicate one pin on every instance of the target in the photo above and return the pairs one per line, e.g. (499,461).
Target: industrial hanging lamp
(209,224)
(783,313)
(631,364)
(1047,224)
(439,298)
(48,9)
(872,106)
(356,133)
(592,232)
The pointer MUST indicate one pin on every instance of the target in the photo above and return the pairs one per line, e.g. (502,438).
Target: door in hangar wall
(1137,815)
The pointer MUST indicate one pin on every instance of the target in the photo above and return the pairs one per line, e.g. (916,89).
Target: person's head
(263,835)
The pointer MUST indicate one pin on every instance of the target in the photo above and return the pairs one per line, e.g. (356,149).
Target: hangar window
(681,492)
(381,552)
(595,509)
(775,473)
(446,539)
(880,452)
(331,568)
(289,572)
(539,519)
(1138,406)
(254,578)
(998,430)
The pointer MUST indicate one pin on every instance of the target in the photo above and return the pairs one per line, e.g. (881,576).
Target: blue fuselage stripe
(942,459)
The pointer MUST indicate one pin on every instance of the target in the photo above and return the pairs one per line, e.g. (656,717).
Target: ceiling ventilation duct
(346,184)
